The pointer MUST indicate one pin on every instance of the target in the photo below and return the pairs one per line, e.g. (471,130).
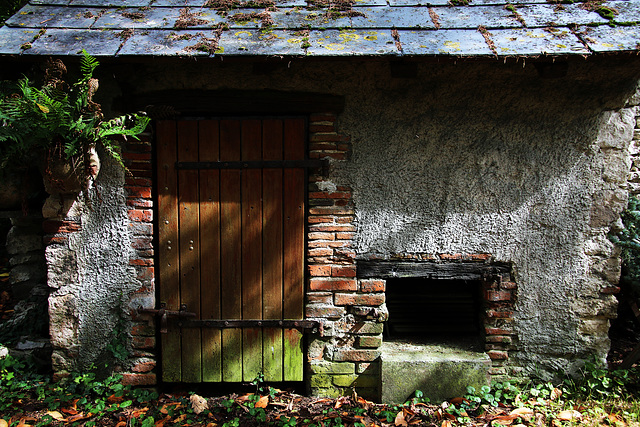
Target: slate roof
(492,28)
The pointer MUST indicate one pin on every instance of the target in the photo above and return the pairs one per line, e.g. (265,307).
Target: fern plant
(58,119)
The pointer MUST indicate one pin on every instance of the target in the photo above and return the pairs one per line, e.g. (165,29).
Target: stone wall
(470,159)
(27,278)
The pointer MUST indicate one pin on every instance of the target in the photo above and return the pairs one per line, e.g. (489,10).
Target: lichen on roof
(492,28)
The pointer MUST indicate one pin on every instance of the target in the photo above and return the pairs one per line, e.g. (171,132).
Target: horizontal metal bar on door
(257,164)
(312,325)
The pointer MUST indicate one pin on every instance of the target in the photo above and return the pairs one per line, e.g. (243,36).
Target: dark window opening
(433,311)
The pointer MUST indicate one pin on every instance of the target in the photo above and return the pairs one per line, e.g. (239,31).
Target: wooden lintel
(427,270)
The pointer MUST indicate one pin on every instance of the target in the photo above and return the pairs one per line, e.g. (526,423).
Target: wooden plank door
(231,246)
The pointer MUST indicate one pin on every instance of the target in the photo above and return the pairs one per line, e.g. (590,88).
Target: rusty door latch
(164,314)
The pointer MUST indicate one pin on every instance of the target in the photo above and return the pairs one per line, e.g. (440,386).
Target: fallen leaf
(555,394)
(180,419)
(400,421)
(115,399)
(198,404)
(3,423)
(55,415)
(569,415)
(77,417)
(341,401)
(244,398)
(458,400)
(505,420)
(122,424)
(525,413)
(261,403)
(446,423)
(137,413)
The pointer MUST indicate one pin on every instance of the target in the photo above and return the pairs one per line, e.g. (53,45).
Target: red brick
(144,366)
(320,298)
(138,203)
(500,339)
(497,331)
(344,147)
(345,236)
(324,311)
(54,226)
(344,219)
(137,165)
(321,236)
(141,192)
(325,244)
(330,195)
(49,240)
(480,257)
(499,314)
(348,355)
(141,215)
(143,342)
(145,273)
(142,243)
(497,295)
(498,355)
(321,128)
(320,270)
(319,252)
(334,155)
(143,262)
(450,257)
(320,219)
(372,285)
(508,285)
(139,379)
(143,330)
(333,284)
(327,137)
(371,300)
(128,155)
(610,290)
(320,146)
(341,271)
(138,181)
(332,228)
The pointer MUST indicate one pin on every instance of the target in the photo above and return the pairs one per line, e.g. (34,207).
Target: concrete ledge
(440,372)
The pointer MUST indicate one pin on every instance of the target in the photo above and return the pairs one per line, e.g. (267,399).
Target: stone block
(370,341)
(19,242)
(352,355)
(333,368)
(439,372)
(320,380)
(617,128)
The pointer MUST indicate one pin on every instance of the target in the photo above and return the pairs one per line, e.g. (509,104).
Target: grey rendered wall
(475,157)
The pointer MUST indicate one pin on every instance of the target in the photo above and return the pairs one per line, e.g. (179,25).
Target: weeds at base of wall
(597,397)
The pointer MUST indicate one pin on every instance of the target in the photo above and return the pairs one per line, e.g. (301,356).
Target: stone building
(344,193)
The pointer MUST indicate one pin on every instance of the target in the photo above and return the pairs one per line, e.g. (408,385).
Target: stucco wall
(469,157)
